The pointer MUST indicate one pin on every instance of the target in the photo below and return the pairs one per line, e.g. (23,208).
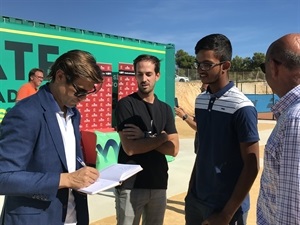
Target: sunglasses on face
(80,92)
(263,65)
(205,66)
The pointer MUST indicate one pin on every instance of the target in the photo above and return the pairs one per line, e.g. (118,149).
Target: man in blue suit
(39,143)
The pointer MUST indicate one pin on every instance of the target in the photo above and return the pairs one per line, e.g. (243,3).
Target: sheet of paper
(112,176)
(120,172)
(99,185)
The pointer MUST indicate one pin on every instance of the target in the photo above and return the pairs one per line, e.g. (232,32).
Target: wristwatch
(146,134)
(185,117)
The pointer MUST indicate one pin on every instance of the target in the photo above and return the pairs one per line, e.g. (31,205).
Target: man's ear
(274,69)
(157,76)
(226,65)
(60,75)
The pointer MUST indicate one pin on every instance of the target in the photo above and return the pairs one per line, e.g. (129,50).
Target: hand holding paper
(112,176)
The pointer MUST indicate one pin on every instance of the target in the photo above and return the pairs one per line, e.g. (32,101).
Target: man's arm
(190,120)
(134,141)
(250,156)
(170,147)
(289,175)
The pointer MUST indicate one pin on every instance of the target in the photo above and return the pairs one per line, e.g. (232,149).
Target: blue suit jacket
(32,157)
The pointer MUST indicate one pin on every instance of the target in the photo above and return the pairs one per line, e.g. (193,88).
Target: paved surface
(102,206)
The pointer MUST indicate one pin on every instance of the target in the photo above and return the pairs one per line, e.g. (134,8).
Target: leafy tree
(184,60)
(247,65)
(237,64)
(257,59)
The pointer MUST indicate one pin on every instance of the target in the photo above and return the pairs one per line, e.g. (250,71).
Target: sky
(251,25)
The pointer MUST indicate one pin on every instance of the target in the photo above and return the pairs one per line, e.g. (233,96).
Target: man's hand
(133,132)
(81,178)
(217,219)
(179,111)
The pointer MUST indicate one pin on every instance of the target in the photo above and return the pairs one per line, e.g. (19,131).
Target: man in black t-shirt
(147,131)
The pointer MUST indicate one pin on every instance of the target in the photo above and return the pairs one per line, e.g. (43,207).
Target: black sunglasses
(263,65)
(82,92)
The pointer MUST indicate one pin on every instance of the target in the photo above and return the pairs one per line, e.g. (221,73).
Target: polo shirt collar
(221,92)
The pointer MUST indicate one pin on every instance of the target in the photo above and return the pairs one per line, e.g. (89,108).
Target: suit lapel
(55,133)
(76,122)
(48,104)
(51,120)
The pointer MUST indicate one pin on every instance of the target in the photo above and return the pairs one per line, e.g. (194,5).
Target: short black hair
(219,43)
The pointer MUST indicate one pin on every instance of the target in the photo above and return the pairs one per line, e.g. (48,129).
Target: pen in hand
(80,161)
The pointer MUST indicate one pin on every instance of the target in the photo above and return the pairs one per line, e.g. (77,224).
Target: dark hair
(33,71)
(219,43)
(76,64)
(150,58)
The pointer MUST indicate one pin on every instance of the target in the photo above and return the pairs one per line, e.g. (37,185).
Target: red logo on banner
(126,80)
(96,110)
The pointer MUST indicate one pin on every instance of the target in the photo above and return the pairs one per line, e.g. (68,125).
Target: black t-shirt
(154,118)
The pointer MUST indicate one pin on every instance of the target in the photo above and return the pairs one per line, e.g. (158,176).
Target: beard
(145,91)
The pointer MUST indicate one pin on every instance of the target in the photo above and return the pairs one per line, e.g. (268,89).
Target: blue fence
(263,102)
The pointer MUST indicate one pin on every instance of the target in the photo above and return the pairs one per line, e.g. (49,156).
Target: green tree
(247,64)
(184,60)
(257,59)
(237,64)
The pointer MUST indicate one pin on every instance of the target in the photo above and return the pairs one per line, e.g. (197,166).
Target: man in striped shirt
(227,159)
(279,196)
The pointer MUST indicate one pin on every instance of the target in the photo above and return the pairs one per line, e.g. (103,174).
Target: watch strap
(185,117)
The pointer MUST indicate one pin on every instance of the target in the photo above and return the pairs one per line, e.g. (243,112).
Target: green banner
(107,147)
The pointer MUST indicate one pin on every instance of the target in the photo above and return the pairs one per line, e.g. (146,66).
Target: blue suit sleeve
(28,164)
